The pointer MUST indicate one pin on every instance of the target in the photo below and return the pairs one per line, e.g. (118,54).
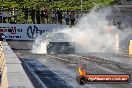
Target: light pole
(81,6)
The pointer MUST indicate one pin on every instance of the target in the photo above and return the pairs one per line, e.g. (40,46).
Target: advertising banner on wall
(27,31)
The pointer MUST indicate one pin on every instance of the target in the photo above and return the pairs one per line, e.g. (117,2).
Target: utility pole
(81,5)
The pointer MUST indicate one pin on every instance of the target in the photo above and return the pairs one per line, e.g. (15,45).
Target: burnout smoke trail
(93,33)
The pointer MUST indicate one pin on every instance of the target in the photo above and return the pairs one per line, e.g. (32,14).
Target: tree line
(63,4)
(50,4)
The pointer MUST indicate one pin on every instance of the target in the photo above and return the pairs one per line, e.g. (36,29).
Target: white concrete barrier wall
(14,75)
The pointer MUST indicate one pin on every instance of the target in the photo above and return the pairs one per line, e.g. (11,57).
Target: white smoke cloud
(93,33)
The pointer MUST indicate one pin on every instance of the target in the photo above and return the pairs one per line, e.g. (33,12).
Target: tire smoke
(93,33)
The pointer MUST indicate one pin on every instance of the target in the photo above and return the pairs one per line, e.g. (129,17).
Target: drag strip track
(32,76)
(76,59)
(97,60)
(45,78)
(72,61)
(64,66)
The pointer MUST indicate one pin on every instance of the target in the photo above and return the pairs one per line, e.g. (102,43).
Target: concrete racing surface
(50,79)
(59,71)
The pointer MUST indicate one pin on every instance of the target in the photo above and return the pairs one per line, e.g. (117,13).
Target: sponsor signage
(27,31)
